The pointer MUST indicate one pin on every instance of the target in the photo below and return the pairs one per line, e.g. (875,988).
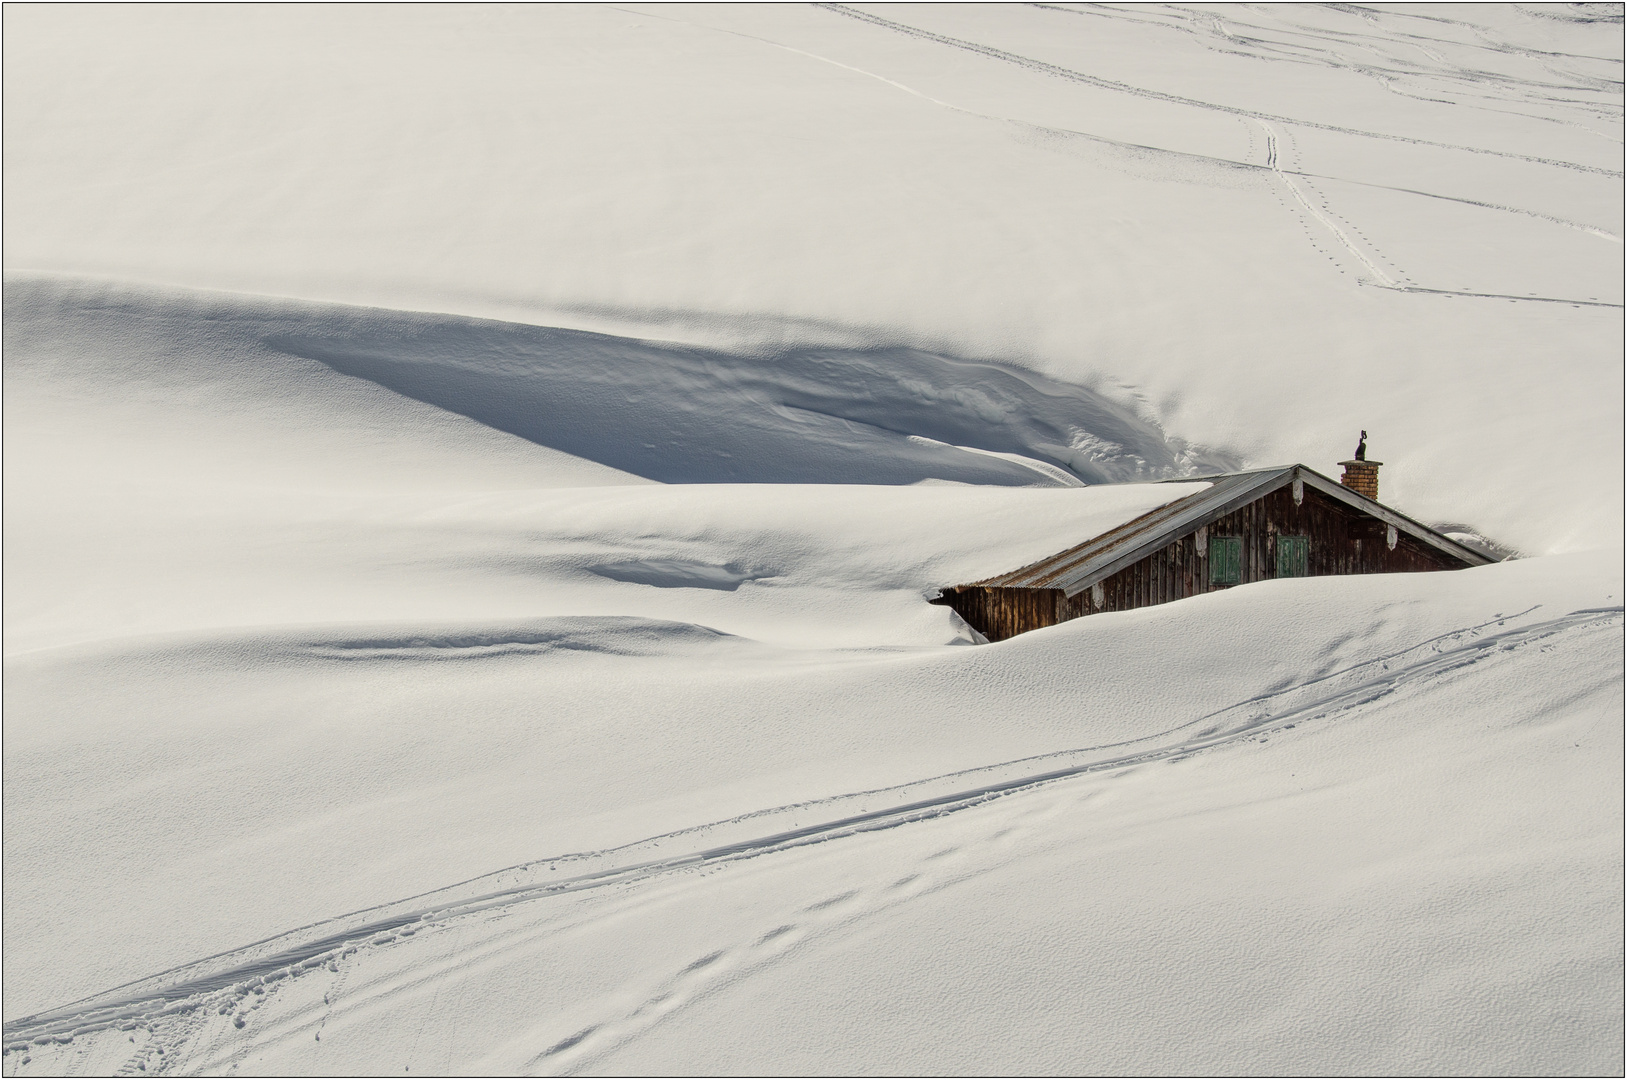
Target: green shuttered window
(1293,556)
(1225,560)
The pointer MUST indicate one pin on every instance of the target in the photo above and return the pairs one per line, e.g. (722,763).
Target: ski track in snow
(1274,164)
(1462,81)
(880,407)
(1379,276)
(175,1008)
(1041,67)
(1325,218)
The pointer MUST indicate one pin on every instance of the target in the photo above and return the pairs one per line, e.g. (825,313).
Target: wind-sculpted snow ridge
(617,635)
(217,985)
(880,415)
(667,412)
(676,574)
(604,635)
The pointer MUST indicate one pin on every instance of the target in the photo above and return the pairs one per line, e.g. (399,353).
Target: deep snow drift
(1262,229)
(473,477)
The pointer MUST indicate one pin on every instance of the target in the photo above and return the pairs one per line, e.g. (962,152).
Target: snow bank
(1338,879)
(1260,230)
(473,477)
(172,467)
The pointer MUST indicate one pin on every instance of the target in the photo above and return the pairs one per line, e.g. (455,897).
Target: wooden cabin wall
(1001,613)
(1343,540)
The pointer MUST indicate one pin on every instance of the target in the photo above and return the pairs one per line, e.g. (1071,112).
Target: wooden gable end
(1274,535)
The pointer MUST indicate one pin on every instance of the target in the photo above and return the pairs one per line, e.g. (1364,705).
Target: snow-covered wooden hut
(1289,521)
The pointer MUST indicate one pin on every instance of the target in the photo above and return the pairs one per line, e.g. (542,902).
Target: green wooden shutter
(1293,556)
(1225,560)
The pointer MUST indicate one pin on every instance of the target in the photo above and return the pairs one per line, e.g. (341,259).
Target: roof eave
(1416,529)
(1176,519)
(1208,506)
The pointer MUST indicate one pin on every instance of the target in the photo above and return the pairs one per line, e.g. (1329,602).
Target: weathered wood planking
(1342,540)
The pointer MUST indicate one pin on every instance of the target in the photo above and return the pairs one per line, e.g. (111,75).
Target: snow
(1413,802)
(740,174)
(474,476)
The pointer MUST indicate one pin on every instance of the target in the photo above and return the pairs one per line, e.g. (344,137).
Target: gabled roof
(1078,568)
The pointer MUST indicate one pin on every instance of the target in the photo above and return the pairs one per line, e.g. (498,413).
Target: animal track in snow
(193,1009)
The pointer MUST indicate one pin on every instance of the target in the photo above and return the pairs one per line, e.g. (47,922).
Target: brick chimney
(1361,475)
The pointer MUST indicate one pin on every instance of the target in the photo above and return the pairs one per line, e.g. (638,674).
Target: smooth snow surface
(1261,229)
(474,476)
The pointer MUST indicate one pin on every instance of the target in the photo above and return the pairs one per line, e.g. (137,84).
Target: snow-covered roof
(1080,567)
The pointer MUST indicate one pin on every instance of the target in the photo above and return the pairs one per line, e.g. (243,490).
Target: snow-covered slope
(1262,228)
(473,476)
(1383,842)
(182,463)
